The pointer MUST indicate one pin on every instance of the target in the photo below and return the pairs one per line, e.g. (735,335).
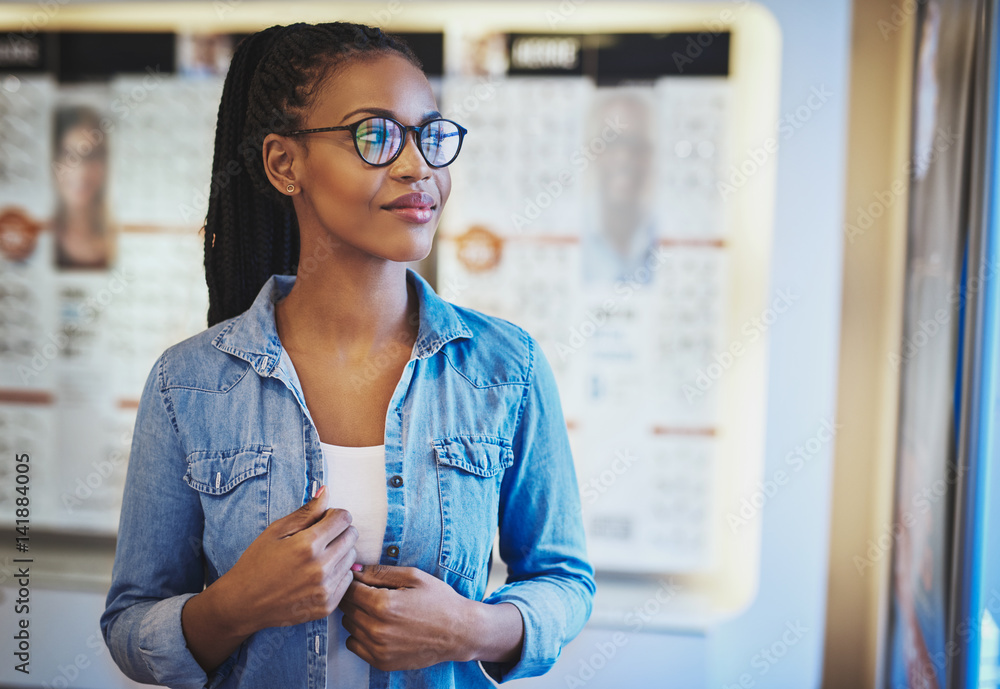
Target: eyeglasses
(380,140)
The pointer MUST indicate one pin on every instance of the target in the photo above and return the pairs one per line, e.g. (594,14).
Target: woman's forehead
(386,82)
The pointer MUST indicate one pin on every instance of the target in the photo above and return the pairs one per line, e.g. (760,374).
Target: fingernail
(320,491)
(357,567)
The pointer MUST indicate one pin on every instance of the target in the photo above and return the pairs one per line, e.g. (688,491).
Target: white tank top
(355,481)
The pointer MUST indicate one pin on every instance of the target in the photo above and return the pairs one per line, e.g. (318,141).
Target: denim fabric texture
(224,445)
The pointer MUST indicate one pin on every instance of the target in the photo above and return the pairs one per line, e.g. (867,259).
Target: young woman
(330,377)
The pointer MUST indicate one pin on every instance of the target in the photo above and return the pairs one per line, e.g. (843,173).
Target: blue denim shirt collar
(253,336)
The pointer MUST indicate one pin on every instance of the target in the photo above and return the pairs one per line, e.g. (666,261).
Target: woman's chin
(415,247)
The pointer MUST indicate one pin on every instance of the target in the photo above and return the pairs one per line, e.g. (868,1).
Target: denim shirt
(224,445)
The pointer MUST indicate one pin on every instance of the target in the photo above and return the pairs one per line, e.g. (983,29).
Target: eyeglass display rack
(597,207)
(79,340)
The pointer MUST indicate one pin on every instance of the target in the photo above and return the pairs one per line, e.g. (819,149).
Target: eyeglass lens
(379,139)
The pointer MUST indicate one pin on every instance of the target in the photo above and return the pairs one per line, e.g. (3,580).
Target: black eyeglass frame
(353,129)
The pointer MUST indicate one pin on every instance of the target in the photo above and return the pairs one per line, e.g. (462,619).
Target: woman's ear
(279,163)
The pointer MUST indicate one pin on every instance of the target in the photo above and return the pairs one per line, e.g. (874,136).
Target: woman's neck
(350,309)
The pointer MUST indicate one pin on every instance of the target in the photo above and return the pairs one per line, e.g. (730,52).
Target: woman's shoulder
(498,351)
(196,362)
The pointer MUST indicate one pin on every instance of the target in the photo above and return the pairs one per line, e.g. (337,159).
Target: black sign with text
(619,58)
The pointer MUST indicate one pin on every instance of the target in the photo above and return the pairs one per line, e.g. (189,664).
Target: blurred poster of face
(619,138)
(485,55)
(203,54)
(83,237)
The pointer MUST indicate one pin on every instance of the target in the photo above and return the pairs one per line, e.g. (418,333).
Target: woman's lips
(415,199)
(415,207)
(414,214)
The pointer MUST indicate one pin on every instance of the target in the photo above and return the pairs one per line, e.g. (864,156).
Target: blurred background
(756,240)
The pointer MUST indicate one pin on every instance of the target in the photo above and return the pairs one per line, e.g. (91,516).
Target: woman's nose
(411,161)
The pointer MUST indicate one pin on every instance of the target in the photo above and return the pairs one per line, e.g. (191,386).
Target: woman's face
(343,197)
(80,169)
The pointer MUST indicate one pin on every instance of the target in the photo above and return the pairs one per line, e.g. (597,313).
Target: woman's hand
(295,571)
(401,618)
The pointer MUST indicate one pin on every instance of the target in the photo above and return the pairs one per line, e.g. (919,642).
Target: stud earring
(290,188)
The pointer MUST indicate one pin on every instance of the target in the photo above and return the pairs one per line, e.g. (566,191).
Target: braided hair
(251,231)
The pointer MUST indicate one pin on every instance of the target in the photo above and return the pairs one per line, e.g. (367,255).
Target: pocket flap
(219,472)
(481,455)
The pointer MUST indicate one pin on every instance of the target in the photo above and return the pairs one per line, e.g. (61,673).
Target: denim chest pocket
(470,470)
(233,488)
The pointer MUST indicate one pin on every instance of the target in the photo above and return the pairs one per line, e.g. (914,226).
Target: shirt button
(396,481)
(392,551)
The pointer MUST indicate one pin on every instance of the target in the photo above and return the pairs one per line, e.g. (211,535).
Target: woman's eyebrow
(383,112)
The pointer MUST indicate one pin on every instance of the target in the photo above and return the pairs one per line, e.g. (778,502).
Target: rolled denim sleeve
(158,557)
(549,578)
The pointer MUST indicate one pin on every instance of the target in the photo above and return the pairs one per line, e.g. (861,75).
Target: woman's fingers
(357,648)
(340,553)
(302,518)
(343,581)
(358,596)
(327,529)
(391,577)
